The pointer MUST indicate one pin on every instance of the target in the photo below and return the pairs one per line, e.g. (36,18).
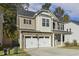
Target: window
(27,21)
(58,25)
(53,25)
(62,26)
(41,37)
(27,36)
(35,37)
(24,21)
(46,36)
(45,22)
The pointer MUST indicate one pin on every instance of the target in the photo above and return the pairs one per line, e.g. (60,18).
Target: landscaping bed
(71,47)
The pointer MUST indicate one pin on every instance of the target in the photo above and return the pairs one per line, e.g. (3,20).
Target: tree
(46,6)
(66,18)
(59,13)
(9,25)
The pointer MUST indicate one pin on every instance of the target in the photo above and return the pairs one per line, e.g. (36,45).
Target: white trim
(20,39)
(53,40)
(61,39)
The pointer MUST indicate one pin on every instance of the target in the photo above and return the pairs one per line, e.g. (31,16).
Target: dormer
(44,19)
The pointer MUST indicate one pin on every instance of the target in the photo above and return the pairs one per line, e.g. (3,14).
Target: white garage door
(34,42)
(45,41)
(31,42)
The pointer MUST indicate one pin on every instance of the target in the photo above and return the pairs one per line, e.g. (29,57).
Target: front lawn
(71,47)
(20,53)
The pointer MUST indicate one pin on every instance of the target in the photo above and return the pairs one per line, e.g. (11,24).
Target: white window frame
(45,22)
(27,21)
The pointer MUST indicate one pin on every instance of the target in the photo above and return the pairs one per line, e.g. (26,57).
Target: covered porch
(58,37)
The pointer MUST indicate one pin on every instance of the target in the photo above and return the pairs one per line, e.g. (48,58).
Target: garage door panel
(35,42)
(31,42)
(45,42)
(41,42)
(28,43)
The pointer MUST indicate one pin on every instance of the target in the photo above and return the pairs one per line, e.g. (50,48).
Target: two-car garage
(38,41)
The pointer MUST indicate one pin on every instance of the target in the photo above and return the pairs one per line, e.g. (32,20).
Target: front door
(57,39)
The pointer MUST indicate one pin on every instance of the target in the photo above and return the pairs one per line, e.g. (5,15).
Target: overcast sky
(71,9)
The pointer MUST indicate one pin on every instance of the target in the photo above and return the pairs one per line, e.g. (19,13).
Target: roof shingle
(26,12)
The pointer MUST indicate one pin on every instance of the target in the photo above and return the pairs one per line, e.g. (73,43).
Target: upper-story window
(62,26)
(45,22)
(53,25)
(58,25)
(26,21)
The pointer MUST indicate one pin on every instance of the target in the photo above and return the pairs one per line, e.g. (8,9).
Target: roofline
(25,16)
(45,11)
(38,12)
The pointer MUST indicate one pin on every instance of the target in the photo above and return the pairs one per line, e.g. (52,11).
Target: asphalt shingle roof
(26,13)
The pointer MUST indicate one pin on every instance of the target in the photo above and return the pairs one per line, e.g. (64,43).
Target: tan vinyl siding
(39,26)
(26,26)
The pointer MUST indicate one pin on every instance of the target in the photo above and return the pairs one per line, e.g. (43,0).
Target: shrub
(67,44)
(15,50)
(74,42)
(1,48)
(15,43)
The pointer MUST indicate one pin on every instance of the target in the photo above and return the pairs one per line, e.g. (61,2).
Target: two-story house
(74,27)
(40,29)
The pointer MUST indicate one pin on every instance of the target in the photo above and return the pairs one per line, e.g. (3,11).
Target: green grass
(20,53)
(71,47)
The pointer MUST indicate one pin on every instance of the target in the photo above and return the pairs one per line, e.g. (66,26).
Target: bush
(67,44)
(1,48)
(74,42)
(15,50)
(15,43)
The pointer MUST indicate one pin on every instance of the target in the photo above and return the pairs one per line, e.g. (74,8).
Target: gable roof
(43,10)
(32,14)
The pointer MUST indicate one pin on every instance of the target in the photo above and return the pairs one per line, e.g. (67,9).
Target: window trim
(45,22)
(27,21)
(54,25)
(24,21)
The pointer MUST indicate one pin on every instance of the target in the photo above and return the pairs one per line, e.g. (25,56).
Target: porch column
(24,42)
(53,40)
(61,39)
(20,39)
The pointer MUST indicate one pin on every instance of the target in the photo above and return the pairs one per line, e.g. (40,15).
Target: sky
(72,9)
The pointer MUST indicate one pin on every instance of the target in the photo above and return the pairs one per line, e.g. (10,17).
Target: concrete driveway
(53,52)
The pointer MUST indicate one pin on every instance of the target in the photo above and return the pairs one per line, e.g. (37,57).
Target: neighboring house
(74,27)
(1,28)
(40,29)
